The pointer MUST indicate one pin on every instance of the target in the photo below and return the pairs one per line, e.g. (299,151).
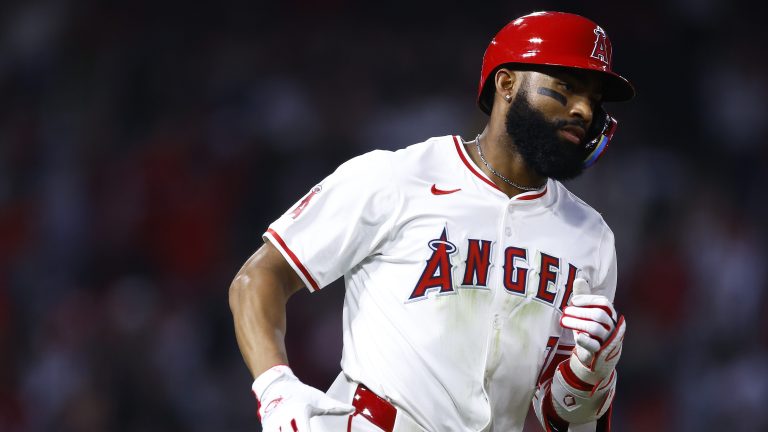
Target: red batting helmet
(555,39)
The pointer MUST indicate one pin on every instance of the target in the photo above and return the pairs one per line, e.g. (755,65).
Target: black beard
(539,144)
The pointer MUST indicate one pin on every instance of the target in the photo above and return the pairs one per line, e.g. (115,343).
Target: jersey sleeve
(340,222)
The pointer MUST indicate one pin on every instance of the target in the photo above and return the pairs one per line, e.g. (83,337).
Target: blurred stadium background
(145,146)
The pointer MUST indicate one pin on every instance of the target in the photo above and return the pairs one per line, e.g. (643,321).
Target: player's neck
(499,152)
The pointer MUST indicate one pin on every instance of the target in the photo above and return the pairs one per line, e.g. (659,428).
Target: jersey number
(548,354)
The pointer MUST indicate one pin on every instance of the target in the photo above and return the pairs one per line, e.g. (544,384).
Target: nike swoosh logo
(436,191)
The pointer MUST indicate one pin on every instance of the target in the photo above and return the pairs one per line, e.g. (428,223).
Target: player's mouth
(573,134)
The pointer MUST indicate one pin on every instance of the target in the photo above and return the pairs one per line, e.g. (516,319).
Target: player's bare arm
(257,298)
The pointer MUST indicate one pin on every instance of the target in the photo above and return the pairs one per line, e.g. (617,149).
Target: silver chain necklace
(496,173)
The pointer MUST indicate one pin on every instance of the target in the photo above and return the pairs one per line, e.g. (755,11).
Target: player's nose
(581,107)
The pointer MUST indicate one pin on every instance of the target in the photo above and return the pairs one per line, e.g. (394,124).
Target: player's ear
(505,81)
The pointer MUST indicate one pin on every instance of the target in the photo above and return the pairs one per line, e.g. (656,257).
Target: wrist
(579,406)
(575,368)
(269,377)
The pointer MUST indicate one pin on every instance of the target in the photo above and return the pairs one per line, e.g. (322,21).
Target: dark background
(145,146)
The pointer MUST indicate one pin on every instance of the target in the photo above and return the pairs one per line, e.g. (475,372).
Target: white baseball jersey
(454,291)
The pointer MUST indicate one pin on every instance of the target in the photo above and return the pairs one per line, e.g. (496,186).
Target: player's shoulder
(578,211)
(372,161)
(430,147)
(428,155)
(431,151)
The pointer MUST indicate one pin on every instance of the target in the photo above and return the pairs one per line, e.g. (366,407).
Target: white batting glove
(598,332)
(286,404)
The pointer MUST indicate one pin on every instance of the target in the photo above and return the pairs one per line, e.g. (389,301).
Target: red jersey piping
(522,196)
(472,168)
(314,286)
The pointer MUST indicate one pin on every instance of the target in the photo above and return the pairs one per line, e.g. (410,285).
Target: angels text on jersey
(521,268)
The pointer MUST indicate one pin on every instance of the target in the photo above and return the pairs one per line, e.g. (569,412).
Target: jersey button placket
(496,321)
(508,231)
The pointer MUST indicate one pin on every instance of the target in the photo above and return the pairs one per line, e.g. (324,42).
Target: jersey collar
(477,172)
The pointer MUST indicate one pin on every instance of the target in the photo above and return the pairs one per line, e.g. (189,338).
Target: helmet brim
(616,88)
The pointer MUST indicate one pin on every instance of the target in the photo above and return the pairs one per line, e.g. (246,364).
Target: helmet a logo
(601,50)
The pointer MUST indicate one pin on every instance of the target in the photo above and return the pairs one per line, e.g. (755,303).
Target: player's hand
(286,404)
(598,332)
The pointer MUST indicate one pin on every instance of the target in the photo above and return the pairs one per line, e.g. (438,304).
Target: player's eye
(566,86)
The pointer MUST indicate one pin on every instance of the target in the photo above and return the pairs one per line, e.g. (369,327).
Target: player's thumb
(581,287)
(328,406)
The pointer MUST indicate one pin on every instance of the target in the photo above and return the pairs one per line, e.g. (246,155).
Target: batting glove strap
(579,404)
(545,410)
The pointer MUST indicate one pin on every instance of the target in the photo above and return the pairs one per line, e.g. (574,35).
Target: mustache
(575,122)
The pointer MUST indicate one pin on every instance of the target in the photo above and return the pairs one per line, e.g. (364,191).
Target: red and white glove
(583,386)
(286,404)
(598,332)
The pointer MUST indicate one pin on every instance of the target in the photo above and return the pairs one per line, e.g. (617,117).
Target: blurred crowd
(145,146)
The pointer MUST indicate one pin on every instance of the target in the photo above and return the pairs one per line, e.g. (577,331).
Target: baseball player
(476,283)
